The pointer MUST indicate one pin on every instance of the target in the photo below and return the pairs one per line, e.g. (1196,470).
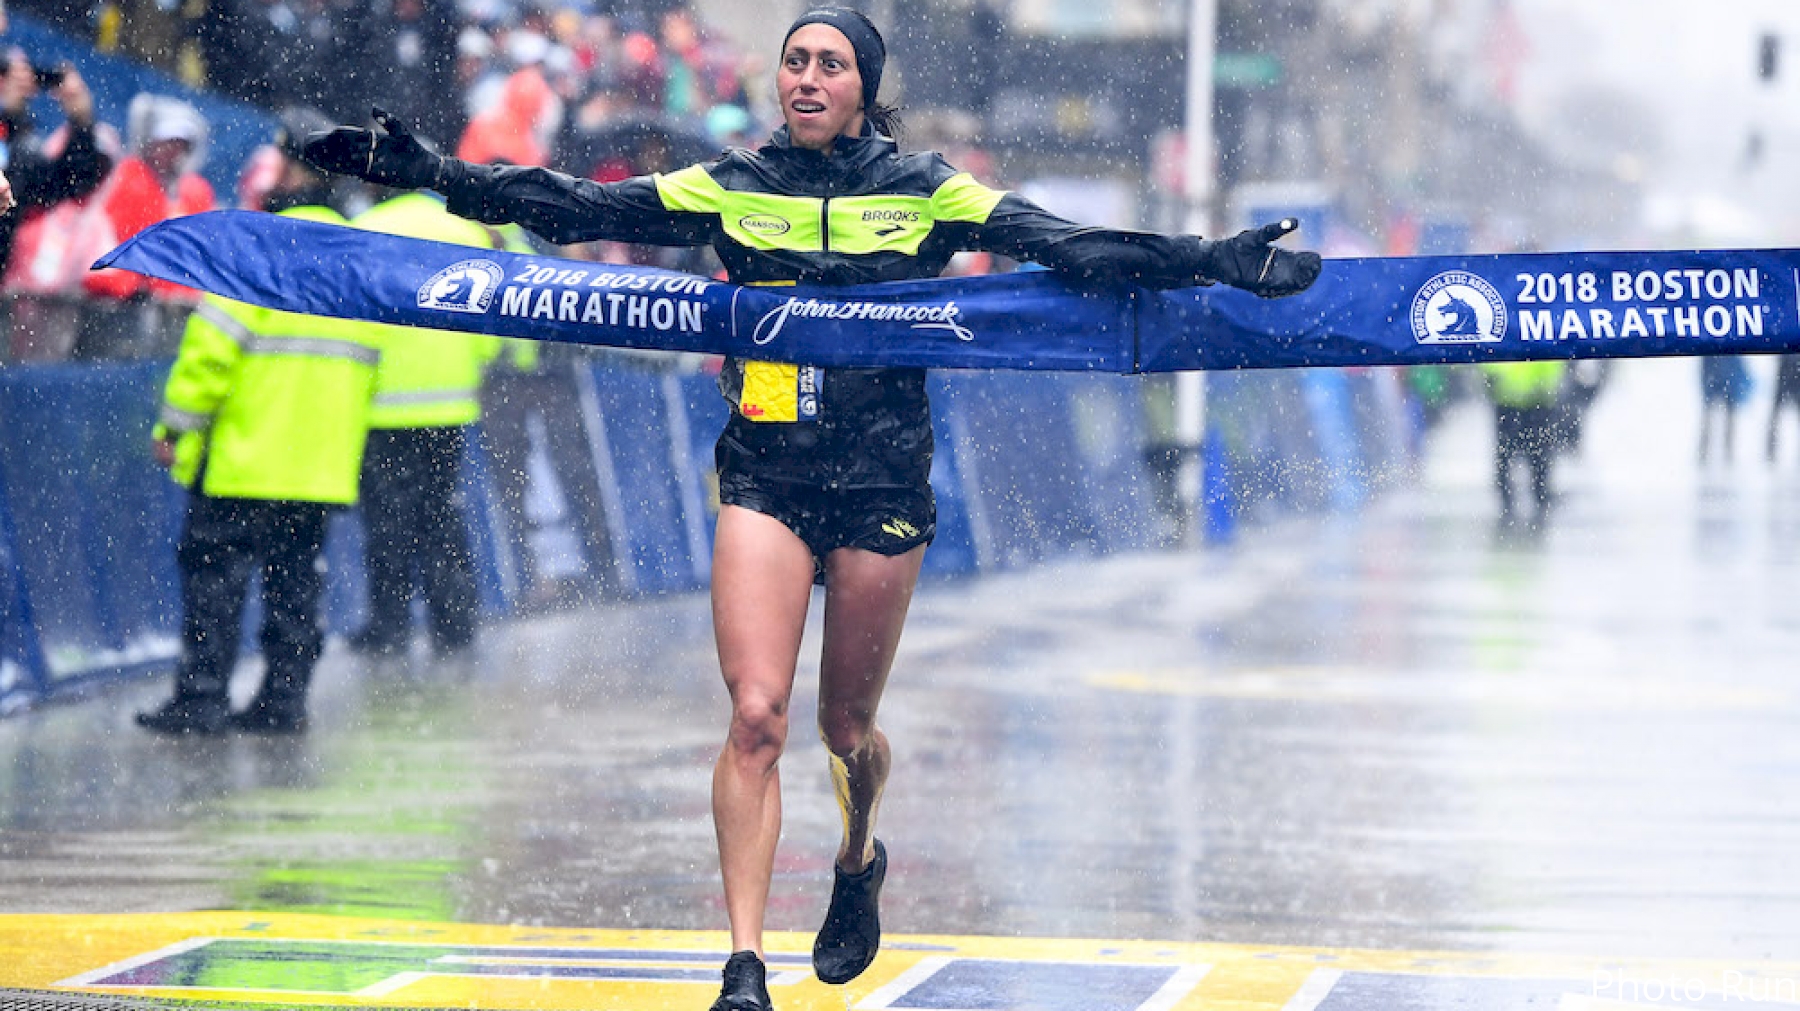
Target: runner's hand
(390,156)
(1249,260)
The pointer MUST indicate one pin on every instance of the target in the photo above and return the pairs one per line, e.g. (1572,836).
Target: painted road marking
(373,969)
(1319,984)
(293,960)
(126,965)
(1509,689)
(1178,987)
(992,984)
(885,996)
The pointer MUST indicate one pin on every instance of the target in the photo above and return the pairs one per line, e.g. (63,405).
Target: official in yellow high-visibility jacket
(427,395)
(264,419)
(1527,400)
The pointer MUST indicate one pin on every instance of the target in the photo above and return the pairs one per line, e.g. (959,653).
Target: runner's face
(819,87)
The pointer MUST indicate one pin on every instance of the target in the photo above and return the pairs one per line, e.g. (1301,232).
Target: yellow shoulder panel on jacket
(961,198)
(692,189)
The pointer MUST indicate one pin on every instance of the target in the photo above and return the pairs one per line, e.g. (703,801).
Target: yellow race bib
(777,391)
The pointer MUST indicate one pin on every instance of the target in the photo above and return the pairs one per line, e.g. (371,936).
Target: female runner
(822,476)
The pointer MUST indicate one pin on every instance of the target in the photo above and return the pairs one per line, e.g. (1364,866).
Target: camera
(47,77)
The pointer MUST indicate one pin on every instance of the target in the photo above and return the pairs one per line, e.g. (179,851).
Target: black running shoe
(851,936)
(746,985)
(264,717)
(182,716)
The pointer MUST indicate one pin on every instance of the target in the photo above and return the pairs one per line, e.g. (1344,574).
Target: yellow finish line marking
(291,960)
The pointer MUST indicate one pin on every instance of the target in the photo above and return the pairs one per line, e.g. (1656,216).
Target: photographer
(67,164)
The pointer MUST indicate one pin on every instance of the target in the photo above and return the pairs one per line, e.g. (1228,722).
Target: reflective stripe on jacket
(428,378)
(269,404)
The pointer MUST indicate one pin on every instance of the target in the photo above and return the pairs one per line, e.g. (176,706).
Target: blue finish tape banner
(1438,309)
(1399,311)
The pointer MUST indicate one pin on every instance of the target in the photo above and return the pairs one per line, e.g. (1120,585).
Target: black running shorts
(887,520)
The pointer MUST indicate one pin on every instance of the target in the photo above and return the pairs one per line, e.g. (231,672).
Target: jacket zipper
(825,224)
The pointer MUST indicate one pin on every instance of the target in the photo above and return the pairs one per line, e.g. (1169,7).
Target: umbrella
(645,142)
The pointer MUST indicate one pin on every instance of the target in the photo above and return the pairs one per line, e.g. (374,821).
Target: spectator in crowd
(158,181)
(68,164)
(264,419)
(729,126)
(47,247)
(687,71)
(518,128)
(642,76)
(475,70)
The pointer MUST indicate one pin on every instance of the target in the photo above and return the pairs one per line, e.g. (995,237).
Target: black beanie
(871,51)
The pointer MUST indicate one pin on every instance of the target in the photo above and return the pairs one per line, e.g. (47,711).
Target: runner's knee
(758,726)
(845,732)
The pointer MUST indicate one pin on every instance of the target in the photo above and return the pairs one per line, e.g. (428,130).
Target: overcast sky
(1668,89)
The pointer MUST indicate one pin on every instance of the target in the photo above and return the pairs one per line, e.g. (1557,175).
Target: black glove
(393,158)
(1247,260)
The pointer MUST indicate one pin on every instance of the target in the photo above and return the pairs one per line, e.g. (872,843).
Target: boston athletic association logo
(1457,307)
(468,286)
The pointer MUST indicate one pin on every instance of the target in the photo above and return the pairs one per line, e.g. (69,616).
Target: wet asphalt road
(1400,729)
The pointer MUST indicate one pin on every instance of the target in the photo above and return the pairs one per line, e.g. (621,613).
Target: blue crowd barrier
(88,510)
(700,423)
(1029,467)
(632,413)
(1308,439)
(22,668)
(953,551)
(1013,437)
(478,500)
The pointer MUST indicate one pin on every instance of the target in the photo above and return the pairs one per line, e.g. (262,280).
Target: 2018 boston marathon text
(1623,304)
(554,293)
(1589,305)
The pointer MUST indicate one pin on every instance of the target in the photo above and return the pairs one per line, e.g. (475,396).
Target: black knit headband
(871,51)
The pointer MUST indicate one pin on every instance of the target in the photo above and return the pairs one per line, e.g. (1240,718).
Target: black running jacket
(785,215)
